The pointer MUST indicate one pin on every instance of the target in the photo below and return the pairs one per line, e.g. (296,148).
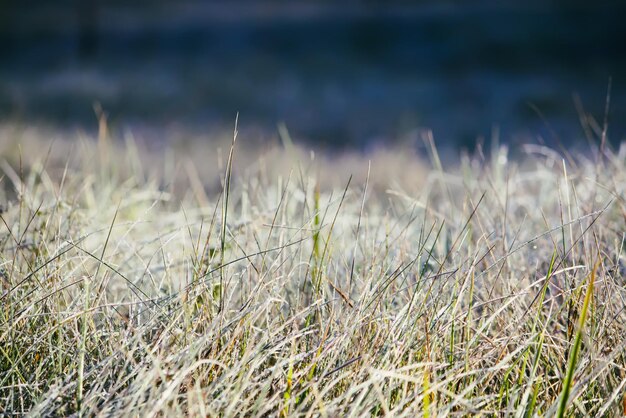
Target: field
(271,282)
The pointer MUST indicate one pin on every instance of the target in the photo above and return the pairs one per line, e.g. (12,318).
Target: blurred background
(347,75)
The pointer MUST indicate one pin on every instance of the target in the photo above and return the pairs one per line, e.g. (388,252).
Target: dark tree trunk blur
(87,11)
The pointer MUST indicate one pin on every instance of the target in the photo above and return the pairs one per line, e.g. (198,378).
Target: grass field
(234,283)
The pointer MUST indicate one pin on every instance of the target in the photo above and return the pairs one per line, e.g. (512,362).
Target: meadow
(227,281)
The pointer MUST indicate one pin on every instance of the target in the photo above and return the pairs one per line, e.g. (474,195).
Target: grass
(494,288)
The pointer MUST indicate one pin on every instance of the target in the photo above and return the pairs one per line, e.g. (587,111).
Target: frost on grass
(438,293)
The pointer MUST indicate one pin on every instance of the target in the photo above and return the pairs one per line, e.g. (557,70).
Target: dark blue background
(346,76)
